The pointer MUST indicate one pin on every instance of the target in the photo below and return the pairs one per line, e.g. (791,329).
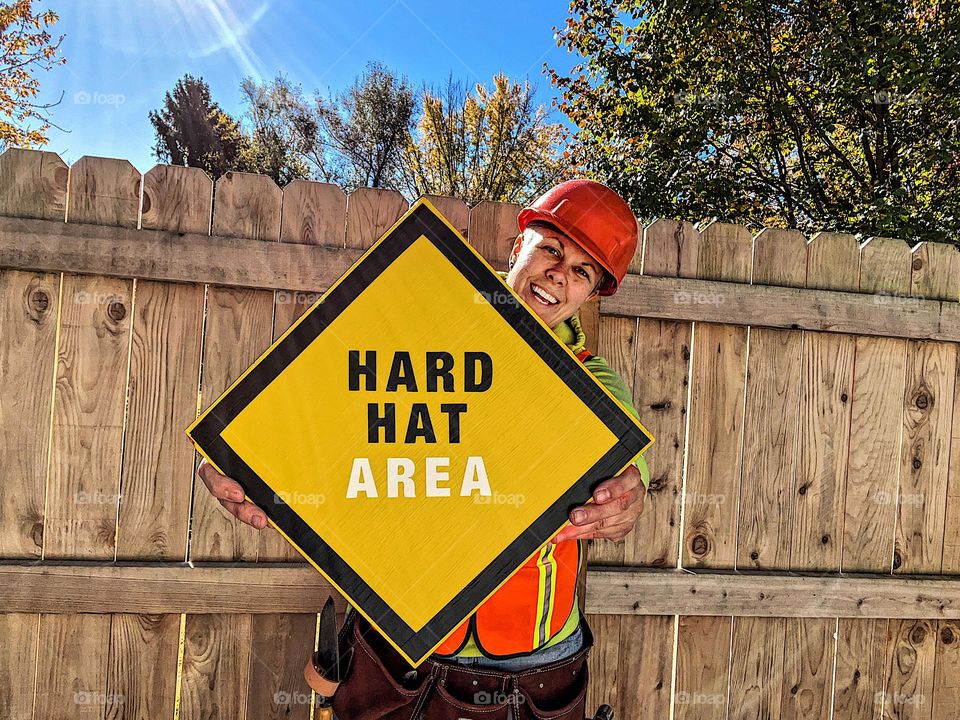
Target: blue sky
(122,55)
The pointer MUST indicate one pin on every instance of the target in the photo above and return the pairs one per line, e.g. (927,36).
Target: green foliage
(379,132)
(283,132)
(362,130)
(483,145)
(816,114)
(193,130)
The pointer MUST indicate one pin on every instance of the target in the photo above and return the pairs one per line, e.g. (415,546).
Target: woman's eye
(583,273)
(552,250)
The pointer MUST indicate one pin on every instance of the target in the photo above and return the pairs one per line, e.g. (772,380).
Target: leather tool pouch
(380,685)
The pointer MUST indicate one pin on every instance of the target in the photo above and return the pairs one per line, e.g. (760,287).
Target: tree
(483,145)
(284,131)
(25,47)
(193,130)
(362,131)
(819,114)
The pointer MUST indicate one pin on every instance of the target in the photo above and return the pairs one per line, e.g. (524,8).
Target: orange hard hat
(593,216)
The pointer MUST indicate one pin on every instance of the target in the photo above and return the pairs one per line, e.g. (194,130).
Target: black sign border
(421,220)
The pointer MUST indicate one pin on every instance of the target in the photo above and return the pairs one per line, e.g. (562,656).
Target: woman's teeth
(542,295)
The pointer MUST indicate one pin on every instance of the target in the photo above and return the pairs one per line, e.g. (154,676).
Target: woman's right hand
(229,493)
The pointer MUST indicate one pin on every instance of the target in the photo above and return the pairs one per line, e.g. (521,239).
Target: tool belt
(380,685)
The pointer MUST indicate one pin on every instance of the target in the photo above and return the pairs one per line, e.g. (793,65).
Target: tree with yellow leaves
(26,47)
(483,145)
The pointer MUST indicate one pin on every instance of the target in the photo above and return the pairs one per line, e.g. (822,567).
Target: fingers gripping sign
(617,503)
(229,494)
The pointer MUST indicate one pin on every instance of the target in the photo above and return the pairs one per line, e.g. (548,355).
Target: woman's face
(552,274)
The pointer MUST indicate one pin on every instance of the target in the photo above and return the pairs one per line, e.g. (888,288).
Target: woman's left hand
(617,503)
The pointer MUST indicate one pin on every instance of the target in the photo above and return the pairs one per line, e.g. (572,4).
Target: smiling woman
(552,274)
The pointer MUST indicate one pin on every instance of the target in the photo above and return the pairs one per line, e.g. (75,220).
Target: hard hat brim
(529,215)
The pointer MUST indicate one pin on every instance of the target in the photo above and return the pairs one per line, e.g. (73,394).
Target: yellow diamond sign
(418,433)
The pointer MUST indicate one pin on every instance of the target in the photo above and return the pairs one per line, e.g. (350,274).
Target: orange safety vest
(529,608)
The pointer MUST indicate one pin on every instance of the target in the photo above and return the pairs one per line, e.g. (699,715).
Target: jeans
(564,648)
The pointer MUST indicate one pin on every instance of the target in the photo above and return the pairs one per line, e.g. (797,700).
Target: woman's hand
(617,503)
(229,493)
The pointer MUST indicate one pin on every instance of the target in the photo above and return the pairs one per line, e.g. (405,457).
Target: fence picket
(84,479)
(217,657)
(34,184)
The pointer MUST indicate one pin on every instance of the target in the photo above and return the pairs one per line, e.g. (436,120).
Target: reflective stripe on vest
(528,609)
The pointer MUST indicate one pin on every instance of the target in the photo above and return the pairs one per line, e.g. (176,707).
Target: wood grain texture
(773,385)
(951,529)
(28,326)
(83,489)
(370,213)
(827,366)
(18,664)
(778,307)
(239,327)
(924,460)
(164,378)
(142,667)
(660,386)
(703,668)
(946,681)
(493,231)
(282,645)
(910,652)
(808,663)
(92,364)
(157,470)
(216,666)
(670,249)
(72,670)
(927,425)
(455,210)
(32,184)
(604,663)
(716,409)
(860,672)
(876,410)
(646,660)
(617,344)
(650,591)
(756,668)
(169,256)
(156,588)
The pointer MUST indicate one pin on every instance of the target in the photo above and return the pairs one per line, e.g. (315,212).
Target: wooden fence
(794,558)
